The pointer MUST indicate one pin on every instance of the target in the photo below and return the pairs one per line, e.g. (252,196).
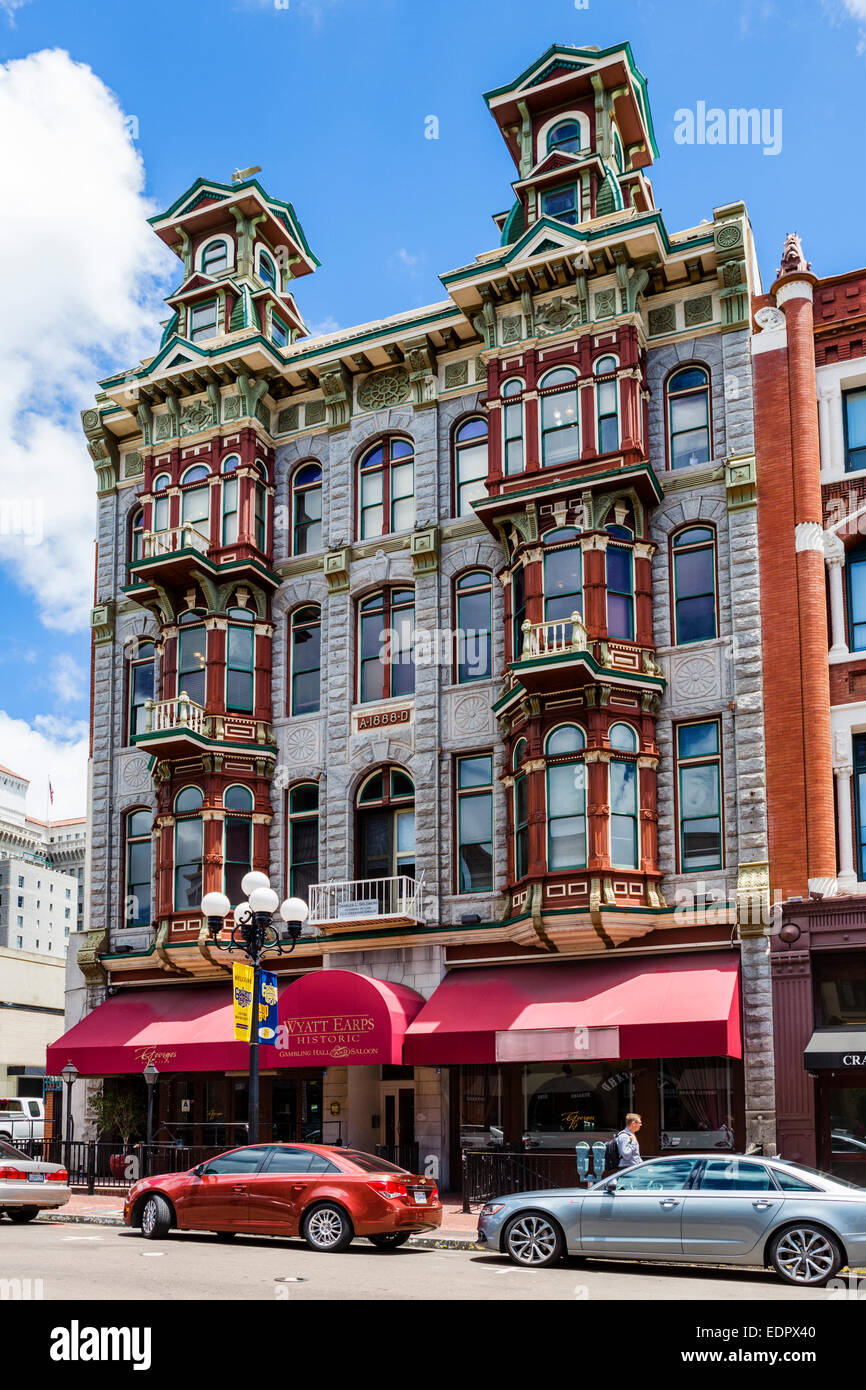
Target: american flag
(50,792)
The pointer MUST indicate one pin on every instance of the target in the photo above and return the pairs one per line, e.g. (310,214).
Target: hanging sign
(242,996)
(267,1008)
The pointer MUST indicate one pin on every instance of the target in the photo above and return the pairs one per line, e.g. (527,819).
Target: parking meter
(598,1160)
(581,1153)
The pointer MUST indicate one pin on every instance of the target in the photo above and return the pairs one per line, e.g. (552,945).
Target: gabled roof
(207,196)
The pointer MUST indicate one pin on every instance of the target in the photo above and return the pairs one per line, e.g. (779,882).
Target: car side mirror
(199,1169)
(611,1186)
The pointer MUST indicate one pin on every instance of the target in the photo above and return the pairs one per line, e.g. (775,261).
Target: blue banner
(267,1008)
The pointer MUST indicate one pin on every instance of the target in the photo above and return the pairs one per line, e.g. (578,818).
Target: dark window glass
(521,826)
(694,585)
(307,493)
(386,641)
(671,1174)
(620,598)
(239,668)
(474,600)
(241,1161)
(299,1161)
(303,839)
(191,663)
(735,1175)
(856,568)
(470,448)
(138,868)
(688,393)
(306,660)
(855,430)
(475,824)
(700,814)
(563,204)
(369,1162)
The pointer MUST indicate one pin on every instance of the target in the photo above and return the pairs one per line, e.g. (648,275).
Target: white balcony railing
(363,900)
(185,537)
(161,716)
(553,638)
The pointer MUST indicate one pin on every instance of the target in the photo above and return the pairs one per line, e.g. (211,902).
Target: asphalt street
(87,1262)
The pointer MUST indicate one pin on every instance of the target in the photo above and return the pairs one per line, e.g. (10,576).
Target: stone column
(758,1063)
(834,558)
(843,771)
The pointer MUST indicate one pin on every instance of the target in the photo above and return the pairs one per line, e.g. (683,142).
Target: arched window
(303,839)
(161,502)
(607,405)
(195,498)
(214,256)
(563,575)
(138,868)
(188,849)
(306,509)
(136,537)
(240,660)
(521,811)
(228,468)
(623,799)
(386,825)
(306,660)
(237,840)
(192,656)
(694,582)
(267,268)
(565,135)
(386,640)
(386,489)
(470,464)
(560,429)
(855,567)
(688,403)
(474,593)
(261,508)
(566,798)
(513,453)
(620,592)
(141,686)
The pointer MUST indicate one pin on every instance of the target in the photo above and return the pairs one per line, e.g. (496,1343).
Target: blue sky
(331,98)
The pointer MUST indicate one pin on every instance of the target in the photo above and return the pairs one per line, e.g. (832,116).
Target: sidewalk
(456,1232)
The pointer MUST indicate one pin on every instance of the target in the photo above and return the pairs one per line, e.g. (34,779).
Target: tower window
(203,321)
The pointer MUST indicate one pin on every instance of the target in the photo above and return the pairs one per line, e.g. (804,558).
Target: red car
(327,1195)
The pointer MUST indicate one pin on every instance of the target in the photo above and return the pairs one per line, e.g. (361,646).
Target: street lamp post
(70,1076)
(151,1074)
(253,933)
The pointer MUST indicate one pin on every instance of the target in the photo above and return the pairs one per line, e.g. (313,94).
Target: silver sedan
(29,1184)
(700,1209)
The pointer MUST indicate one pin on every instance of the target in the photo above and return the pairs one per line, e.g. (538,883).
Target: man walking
(627,1144)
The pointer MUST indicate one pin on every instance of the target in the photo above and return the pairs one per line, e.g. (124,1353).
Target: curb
(456,1242)
(80,1218)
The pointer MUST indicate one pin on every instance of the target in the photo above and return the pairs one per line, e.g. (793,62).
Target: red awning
(326,1018)
(666,1006)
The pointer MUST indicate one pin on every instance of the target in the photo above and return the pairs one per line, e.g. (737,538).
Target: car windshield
(370,1163)
(825,1177)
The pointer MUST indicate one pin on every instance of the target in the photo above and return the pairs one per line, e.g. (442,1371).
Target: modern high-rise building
(450,623)
(41,874)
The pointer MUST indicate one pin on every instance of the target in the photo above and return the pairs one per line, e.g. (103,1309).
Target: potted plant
(118,1114)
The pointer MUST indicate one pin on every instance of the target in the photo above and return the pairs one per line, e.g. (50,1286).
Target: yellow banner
(242,993)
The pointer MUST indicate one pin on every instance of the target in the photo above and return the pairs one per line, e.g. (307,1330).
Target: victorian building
(810,403)
(451,624)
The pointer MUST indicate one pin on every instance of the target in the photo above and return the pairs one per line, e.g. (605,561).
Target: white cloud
(10,6)
(80,280)
(855,8)
(324,327)
(48,748)
(316,10)
(65,678)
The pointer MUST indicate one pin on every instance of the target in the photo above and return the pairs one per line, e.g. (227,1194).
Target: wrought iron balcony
(367,902)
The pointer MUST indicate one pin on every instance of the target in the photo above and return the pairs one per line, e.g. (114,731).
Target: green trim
(285,212)
(487,503)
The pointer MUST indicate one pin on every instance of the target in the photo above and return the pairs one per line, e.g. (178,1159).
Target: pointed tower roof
(207,203)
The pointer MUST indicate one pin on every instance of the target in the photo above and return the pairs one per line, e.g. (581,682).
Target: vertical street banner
(267,1008)
(242,994)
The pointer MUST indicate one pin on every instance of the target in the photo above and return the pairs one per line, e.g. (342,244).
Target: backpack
(611,1155)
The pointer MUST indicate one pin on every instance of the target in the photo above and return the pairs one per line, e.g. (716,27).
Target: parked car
(327,1195)
(698,1208)
(21,1117)
(27,1185)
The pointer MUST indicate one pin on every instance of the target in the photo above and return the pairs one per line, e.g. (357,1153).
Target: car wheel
(156,1218)
(805,1254)
(533,1239)
(327,1227)
(21,1215)
(389,1240)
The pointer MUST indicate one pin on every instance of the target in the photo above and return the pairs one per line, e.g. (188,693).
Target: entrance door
(296,1110)
(842,1134)
(398,1123)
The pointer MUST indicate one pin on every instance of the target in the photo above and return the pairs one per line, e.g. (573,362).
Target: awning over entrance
(331,1017)
(836,1049)
(674,1006)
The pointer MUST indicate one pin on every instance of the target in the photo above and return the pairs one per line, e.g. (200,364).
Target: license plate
(35,1177)
(420,1198)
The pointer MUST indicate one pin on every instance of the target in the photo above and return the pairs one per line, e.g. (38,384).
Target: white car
(22,1117)
(27,1185)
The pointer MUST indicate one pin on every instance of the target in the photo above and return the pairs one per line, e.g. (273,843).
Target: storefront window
(481,1108)
(841,994)
(695,1104)
(561,1104)
(848,1133)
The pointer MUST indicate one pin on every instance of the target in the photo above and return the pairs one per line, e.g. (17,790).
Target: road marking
(151,1254)
(81,1237)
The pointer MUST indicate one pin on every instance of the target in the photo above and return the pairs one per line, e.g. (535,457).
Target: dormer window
(564,136)
(563,204)
(279,332)
(267,269)
(215,257)
(203,321)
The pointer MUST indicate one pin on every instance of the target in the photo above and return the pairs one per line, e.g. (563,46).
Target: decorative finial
(793,259)
(241,175)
